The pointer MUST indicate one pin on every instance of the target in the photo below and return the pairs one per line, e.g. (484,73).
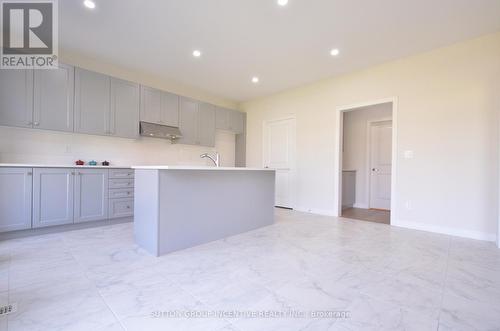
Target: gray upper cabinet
(197,123)
(150,105)
(188,121)
(77,100)
(222,118)
(91,195)
(53,99)
(92,102)
(124,116)
(159,107)
(15,197)
(206,125)
(230,120)
(52,196)
(170,109)
(16,98)
(236,121)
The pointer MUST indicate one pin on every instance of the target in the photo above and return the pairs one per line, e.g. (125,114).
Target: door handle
(374,169)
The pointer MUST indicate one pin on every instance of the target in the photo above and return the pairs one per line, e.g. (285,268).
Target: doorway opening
(366,161)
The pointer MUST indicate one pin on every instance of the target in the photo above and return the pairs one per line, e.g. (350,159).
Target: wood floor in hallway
(370,215)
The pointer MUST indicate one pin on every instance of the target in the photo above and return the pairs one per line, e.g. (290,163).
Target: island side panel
(146,211)
(197,207)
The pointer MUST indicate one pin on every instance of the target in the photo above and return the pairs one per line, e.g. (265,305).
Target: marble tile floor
(306,272)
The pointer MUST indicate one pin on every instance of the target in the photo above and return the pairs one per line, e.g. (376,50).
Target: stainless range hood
(160,131)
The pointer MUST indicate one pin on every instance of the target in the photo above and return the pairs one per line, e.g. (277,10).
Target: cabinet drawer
(121,193)
(121,208)
(121,183)
(121,173)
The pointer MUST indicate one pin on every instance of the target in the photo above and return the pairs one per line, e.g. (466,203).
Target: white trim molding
(323,212)
(337,208)
(471,234)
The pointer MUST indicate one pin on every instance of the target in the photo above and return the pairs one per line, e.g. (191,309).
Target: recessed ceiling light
(255,80)
(282,2)
(89,4)
(196,53)
(334,52)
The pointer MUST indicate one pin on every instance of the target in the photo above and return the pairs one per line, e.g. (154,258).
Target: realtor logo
(29,34)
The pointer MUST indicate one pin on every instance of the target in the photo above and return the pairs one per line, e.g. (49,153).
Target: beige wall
(448,101)
(354,156)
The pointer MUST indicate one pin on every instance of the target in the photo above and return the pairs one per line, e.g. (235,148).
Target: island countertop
(179,167)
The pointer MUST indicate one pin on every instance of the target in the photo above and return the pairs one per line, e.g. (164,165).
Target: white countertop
(176,167)
(21,165)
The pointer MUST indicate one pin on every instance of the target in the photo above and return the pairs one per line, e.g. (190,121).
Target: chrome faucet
(215,160)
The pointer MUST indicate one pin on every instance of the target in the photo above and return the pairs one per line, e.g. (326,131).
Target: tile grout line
(444,281)
(93,283)
(8,284)
(173,282)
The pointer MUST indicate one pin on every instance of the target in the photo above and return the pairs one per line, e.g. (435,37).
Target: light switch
(408,154)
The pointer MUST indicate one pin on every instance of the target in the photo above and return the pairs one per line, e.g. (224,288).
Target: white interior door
(279,154)
(380,165)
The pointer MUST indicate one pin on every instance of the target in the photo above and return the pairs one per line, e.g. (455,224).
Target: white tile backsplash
(18,145)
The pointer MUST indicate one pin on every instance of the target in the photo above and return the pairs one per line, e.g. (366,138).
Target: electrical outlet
(67,149)
(408,205)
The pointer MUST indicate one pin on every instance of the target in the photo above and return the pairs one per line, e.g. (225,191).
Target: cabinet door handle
(30,173)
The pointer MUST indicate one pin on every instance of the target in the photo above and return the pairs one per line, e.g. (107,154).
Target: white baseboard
(324,212)
(361,205)
(445,230)
(418,226)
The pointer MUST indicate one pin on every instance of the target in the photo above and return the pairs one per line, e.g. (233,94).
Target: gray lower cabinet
(53,190)
(119,208)
(91,195)
(121,193)
(15,198)
(124,115)
(92,102)
(197,123)
(16,98)
(53,99)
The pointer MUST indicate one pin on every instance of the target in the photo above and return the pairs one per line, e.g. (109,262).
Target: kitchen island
(177,207)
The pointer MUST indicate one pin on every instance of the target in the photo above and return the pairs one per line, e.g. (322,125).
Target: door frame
(293,202)
(337,168)
(368,174)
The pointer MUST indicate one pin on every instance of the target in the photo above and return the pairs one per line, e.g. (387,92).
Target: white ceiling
(284,46)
